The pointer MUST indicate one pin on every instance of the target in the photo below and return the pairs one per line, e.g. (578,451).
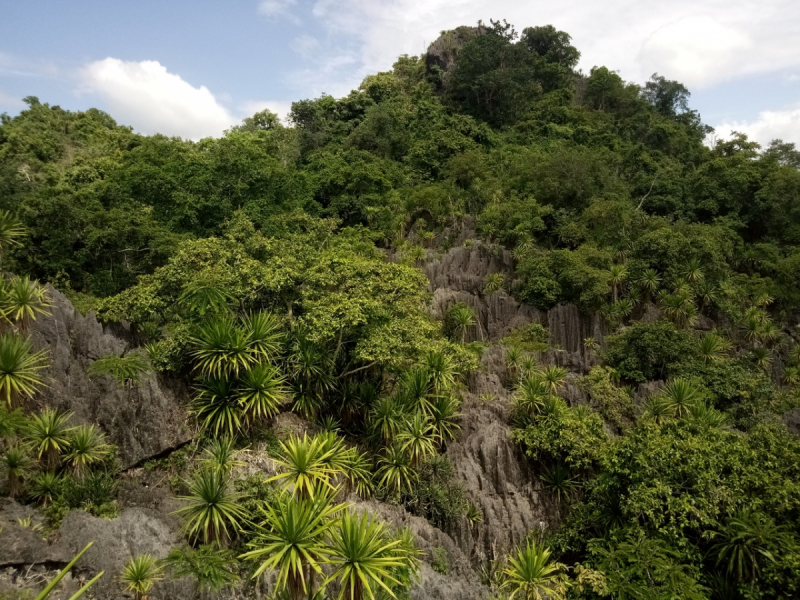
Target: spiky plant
(747,540)
(658,409)
(461,317)
(45,487)
(262,392)
(493,284)
(363,557)
(530,395)
(17,463)
(705,292)
(126,370)
(87,446)
(693,271)
(680,395)
(25,300)
(20,368)
(357,470)
(50,434)
(329,424)
(762,358)
(415,386)
(217,408)
(791,375)
(442,370)
(473,515)
(213,568)
(221,349)
(305,464)
(553,406)
(310,366)
(291,540)
(211,509)
(11,422)
(531,575)
(617,275)
(559,480)
(554,377)
(713,347)
(140,574)
(444,416)
(11,230)
(418,438)
(514,357)
(264,331)
(707,417)
(395,471)
(386,419)
(649,283)
(205,297)
(222,454)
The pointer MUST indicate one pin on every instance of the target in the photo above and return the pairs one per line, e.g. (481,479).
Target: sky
(193,69)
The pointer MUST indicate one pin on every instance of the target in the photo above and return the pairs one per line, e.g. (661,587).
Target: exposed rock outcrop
(145,420)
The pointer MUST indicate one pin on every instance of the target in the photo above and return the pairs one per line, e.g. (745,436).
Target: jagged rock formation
(143,421)
(441,54)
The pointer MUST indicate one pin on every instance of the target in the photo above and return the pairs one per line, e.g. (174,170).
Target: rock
(441,54)
(24,545)
(144,421)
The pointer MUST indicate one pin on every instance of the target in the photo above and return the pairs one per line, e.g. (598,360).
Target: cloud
(145,95)
(280,108)
(305,45)
(274,8)
(9,102)
(768,126)
(700,42)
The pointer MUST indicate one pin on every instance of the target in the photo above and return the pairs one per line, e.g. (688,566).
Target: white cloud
(8,102)
(770,125)
(274,8)
(280,108)
(700,42)
(305,45)
(145,95)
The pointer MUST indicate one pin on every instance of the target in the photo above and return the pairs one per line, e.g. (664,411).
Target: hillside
(532,324)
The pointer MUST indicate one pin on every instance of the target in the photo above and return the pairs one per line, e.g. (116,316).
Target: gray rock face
(144,421)
(442,52)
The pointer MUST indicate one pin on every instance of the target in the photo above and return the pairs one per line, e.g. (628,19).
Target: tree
(306,464)
(670,98)
(363,557)
(86,447)
(140,574)
(24,300)
(19,368)
(262,392)
(50,433)
(461,318)
(395,471)
(417,438)
(221,454)
(680,395)
(17,463)
(211,509)
(747,539)
(291,540)
(11,230)
(531,575)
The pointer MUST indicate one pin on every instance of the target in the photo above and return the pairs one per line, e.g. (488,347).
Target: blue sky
(195,68)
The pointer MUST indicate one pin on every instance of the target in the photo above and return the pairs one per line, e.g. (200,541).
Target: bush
(650,351)
(440,561)
(437,496)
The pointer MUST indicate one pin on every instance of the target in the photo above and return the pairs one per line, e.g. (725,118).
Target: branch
(648,191)
(372,364)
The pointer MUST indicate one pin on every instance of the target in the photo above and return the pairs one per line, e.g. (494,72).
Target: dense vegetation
(255,266)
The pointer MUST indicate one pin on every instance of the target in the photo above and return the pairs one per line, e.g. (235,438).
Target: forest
(279,269)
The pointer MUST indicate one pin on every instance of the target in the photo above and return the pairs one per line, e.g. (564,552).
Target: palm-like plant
(140,574)
(291,541)
(17,463)
(680,308)
(306,464)
(386,418)
(205,297)
(264,330)
(11,421)
(658,409)
(713,347)
(217,407)
(127,370)
(706,292)
(441,369)
(461,317)
(560,481)
(747,539)
(617,275)
(45,487)
(443,413)
(357,469)
(11,230)
(707,417)
(554,377)
(418,438)
(680,395)
(49,432)
(513,359)
(19,368)
(211,508)
(531,575)
(363,557)
(692,271)
(530,395)
(24,300)
(87,446)
(791,375)
(415,387)
(262,392)
(221,349)
(213,568)
(395,471)
(762,358)
(221,454)
(649,283)
(494,283)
